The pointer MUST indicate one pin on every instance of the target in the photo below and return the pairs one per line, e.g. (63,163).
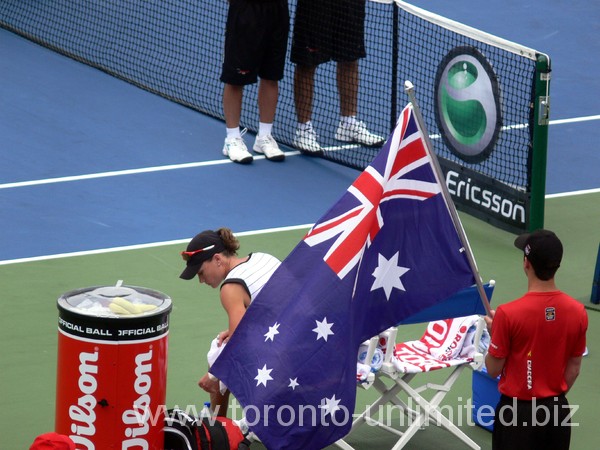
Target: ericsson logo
(467,104)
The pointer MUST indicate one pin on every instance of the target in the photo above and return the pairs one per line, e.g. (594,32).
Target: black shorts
(530,425)
(256,39)
(326,30)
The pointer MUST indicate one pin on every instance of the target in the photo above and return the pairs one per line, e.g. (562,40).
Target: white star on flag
(323,329)
(329,405)
(387,275)
(272,332)
(263,376)
(293,384)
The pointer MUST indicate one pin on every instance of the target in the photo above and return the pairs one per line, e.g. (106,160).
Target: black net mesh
(424,46)
(175,50)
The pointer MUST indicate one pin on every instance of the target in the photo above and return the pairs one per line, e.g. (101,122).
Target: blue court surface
(91,162)
(70,120)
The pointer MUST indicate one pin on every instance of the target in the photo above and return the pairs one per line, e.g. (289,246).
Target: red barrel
(112,367)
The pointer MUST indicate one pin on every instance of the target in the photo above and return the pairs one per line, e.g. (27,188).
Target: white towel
(362,372)
(444,343)
(212,356)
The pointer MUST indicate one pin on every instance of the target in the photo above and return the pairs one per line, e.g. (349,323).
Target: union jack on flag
(357,227)
(386,251)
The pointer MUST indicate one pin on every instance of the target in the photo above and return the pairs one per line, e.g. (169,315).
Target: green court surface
(29,322)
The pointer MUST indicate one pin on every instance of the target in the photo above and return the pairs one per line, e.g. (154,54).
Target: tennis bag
(185,432)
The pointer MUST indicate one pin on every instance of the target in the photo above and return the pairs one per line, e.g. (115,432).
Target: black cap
(201,248)
(542,248)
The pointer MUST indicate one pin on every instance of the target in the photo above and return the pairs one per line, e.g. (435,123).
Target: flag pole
(410,90)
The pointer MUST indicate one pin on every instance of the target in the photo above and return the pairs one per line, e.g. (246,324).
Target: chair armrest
(478,360)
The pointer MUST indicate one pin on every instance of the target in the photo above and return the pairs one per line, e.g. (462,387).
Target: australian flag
(387,250)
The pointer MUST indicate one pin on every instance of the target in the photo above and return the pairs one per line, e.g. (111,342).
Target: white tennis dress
(252,274)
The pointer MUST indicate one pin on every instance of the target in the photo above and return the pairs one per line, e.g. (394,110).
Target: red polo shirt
(537,334)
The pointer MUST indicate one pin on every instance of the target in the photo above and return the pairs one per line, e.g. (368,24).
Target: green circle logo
(467,104)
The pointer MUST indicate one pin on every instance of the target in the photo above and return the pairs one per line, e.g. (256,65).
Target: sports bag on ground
(186,432)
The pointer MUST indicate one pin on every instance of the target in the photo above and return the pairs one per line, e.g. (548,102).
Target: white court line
(574,120)
(117,173)
(520,126)
(573,193)
(204,164)
(142,246)
(243,233)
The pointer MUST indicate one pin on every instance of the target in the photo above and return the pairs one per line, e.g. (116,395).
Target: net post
(541,118)
(410,90)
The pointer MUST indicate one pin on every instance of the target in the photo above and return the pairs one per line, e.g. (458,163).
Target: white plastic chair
(449,345)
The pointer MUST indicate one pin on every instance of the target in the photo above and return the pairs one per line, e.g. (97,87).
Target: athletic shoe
(358,132)
(268,147)
(237,151)
(306,141)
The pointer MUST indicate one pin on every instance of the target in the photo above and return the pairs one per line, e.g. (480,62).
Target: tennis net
(174,49)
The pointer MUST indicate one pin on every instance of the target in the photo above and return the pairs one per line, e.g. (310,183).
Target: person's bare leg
(304,85)
(232,104)
(234,147)
(347,81)
(268,93)
(352,130)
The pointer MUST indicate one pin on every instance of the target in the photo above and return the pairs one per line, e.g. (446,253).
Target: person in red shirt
(537,343)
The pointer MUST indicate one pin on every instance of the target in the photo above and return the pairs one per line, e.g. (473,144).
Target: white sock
(305,126)
(348,120)
(264,129)
(233,132)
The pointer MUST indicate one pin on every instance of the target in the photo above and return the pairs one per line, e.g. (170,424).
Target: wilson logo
(137,419)
(82,414)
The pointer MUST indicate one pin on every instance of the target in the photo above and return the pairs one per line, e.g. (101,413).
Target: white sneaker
(358,132)
(268,147)
(237,151)
(306,141)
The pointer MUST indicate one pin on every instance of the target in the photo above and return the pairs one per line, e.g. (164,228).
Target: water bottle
(206,412)
(377,360)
